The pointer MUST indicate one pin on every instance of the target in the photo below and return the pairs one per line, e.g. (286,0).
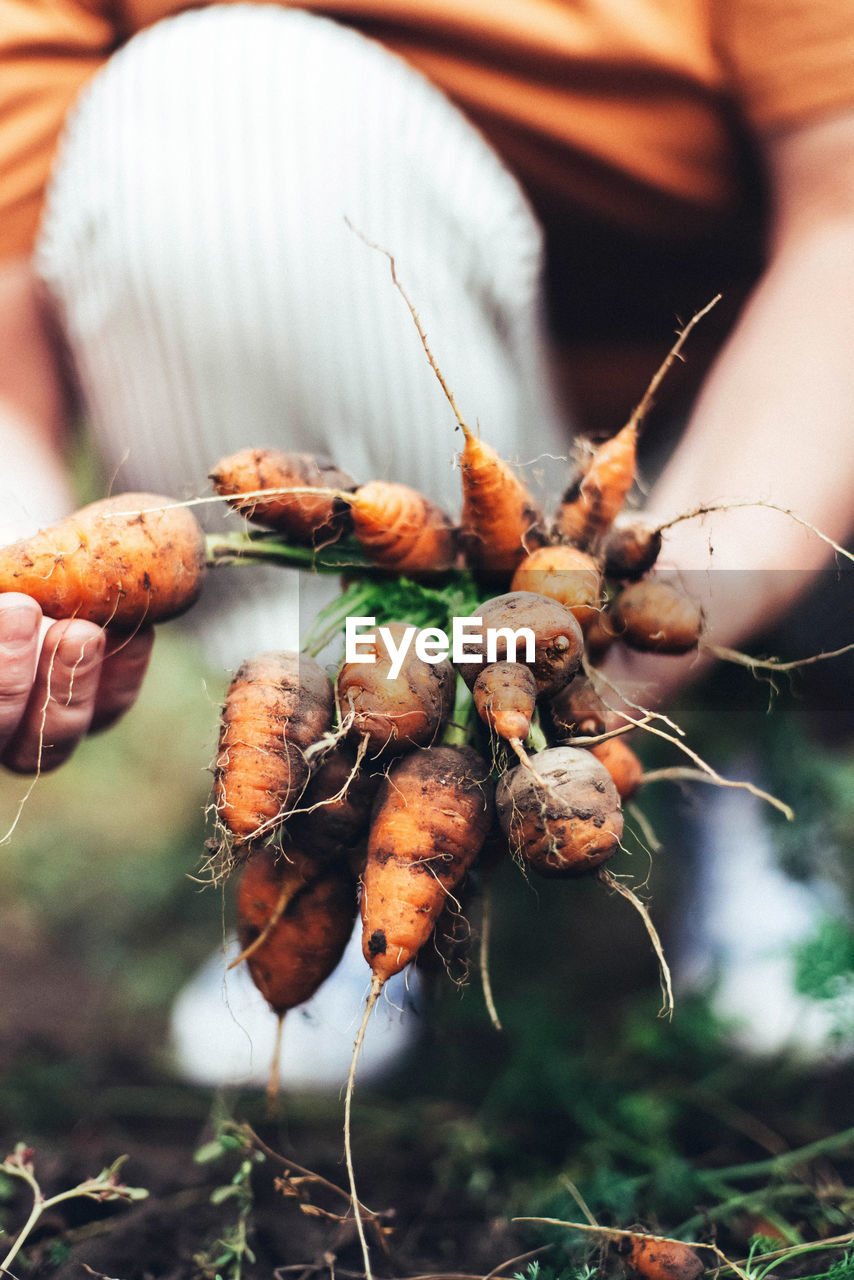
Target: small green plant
(225,1258)
(105,1187)
(535,1271)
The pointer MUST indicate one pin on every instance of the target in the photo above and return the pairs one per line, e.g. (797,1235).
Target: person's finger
(20,624)
(124,667)
(62,700)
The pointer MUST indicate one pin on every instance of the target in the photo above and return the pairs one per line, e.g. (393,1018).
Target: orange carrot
(662,1259)
(656,617)
(593,501)
(500,522)
(303,517)
(294,919)
(401,530)
(622,764)
(570,826)
(563,573)
(505,695)
(125,561)
(277,705)
(432,815)
(591,504)
(558,641)
(392,715)
(309,939)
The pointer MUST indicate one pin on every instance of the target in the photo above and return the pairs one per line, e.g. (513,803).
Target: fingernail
(18,627)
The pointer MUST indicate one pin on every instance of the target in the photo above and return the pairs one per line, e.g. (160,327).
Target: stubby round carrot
(591,504)
(630,549)
(124,562)
(563,818)
(277,705)
(500,520)
(576,709)
(622,764)
(505,695)
(431,817)
(394,715)
(656,617)
(662,1259)
(308,939)
(563,573)
(402,530)
(304,517)
(559,643)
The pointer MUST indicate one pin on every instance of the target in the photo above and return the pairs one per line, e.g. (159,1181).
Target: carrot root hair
(373,995)
(611,882)
(271,1095)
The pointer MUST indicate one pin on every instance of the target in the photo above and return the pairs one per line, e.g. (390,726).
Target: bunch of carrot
(376,791)
(423,777)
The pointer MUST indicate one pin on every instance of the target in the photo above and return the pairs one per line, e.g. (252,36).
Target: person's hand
(60,681)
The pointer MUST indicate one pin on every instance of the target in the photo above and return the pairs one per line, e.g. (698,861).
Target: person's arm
(775,419)
(57,680)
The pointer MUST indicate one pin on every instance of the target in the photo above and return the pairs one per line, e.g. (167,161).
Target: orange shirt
(630,110)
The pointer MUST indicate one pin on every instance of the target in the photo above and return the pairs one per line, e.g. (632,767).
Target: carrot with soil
(392,713)
(304,517)
(596,496)
(656,617)
(557,642)
(431,818)
(500,521)
(278,705)
(294,918)
(123,562)
(570,827)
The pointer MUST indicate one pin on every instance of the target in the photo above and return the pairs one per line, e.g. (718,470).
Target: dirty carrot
(558,643)
(574,826)
(124,562)
(563,573)
(391,714)
(301,912)
(656,617)
(432,816)
(313,518)
(277,705)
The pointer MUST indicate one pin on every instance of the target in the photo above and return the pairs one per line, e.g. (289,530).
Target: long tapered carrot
(596,497)
(431,818)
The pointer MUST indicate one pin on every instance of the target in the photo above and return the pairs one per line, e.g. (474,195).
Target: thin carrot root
(272,1092)
(703,772)
(773,664)
(377,984)
(483,962)
(711,508)
(611,882)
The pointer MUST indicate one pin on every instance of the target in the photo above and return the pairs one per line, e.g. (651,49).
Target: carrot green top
(624,108)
